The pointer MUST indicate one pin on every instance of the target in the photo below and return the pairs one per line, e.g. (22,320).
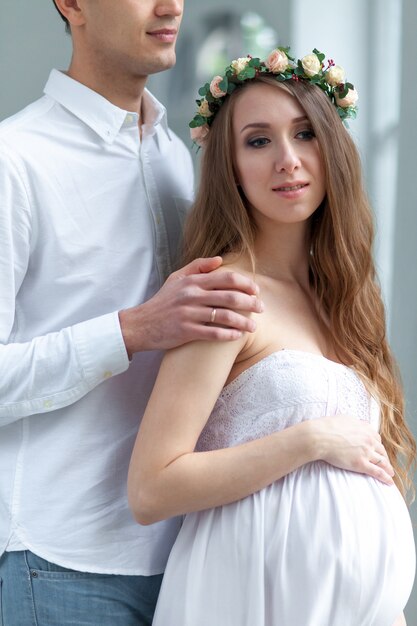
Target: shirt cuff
(100,348)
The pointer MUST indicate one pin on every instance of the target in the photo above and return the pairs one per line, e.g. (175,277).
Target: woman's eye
(258,142)
(306,134)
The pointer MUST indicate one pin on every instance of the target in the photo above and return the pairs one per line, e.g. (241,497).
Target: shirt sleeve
(57,369)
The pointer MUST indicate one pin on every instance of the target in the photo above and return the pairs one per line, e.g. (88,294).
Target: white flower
(311,64)
(335,75)
(239,64)
(216,92)
(199,134)
(204,110)
(349,100)
(277,62)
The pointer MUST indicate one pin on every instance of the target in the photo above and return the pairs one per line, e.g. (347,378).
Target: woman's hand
(354,445)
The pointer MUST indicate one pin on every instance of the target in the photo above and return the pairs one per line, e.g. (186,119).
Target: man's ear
(72,11)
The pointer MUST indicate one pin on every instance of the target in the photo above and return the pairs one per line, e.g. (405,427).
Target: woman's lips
(291,190)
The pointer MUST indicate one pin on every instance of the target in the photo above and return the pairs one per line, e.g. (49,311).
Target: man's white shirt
(90,222)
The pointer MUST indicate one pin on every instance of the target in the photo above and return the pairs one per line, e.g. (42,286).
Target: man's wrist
(125,326)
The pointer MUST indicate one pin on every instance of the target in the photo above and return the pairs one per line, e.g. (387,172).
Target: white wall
(32,40)
(404,274)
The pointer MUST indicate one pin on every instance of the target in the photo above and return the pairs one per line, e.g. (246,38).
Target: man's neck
(120,91)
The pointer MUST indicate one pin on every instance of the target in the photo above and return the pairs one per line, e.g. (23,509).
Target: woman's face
(277,157)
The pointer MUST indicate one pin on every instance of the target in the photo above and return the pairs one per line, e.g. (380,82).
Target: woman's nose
(287,158)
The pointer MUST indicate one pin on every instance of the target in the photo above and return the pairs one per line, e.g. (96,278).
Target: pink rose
(349,100)
(216,92)
(199,134)
(277,62)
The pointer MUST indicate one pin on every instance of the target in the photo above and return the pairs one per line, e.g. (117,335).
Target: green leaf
(247,73)
(255,62)
(203,90)
(199,120)
(231,88)
(319,54)
(223,85)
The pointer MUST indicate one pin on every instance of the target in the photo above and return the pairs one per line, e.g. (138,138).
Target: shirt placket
(162,256)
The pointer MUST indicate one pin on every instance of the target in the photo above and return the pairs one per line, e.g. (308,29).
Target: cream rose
(335,75)
(199,134)
(204,110)
(277,62)
(349,100)
(311,64)
(216,92)
(240,64)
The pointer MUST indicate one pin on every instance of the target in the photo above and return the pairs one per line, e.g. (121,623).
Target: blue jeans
(34,592)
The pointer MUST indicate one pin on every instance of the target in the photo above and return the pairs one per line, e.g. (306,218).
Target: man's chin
(163,63)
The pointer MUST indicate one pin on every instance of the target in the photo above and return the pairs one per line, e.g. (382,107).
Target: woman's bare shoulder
(237,263)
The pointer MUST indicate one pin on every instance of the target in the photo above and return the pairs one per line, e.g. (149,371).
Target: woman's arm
(400,621)
(166,476)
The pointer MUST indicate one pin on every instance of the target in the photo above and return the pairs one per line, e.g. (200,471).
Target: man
(93,190)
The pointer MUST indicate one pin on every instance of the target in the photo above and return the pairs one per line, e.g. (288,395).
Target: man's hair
(67,26)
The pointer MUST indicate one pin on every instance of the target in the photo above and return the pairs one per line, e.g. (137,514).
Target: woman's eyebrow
(295,120)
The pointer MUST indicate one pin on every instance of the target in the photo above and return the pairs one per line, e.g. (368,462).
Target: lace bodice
(281,390)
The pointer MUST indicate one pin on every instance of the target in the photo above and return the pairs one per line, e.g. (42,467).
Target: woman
(270,444)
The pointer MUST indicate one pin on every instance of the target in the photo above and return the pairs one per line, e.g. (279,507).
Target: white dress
(320,547)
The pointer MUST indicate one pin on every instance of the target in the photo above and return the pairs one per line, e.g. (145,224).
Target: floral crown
(279,64)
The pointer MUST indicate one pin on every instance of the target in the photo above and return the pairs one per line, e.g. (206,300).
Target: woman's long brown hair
(342,271)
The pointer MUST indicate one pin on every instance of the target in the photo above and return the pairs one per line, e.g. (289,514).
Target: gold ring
(213,315)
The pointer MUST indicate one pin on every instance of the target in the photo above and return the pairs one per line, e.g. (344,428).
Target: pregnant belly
(320,547)
(348,531)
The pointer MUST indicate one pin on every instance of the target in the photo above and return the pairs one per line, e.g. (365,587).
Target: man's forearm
(57,369)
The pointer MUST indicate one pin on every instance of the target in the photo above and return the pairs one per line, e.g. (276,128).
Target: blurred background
(374,40)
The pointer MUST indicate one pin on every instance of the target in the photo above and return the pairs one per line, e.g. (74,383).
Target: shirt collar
(103,117)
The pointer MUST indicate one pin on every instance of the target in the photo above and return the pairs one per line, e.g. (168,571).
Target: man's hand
(185,306)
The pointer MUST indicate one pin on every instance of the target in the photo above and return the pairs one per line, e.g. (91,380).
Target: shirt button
(107,374)
(47,404)
(129,118)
